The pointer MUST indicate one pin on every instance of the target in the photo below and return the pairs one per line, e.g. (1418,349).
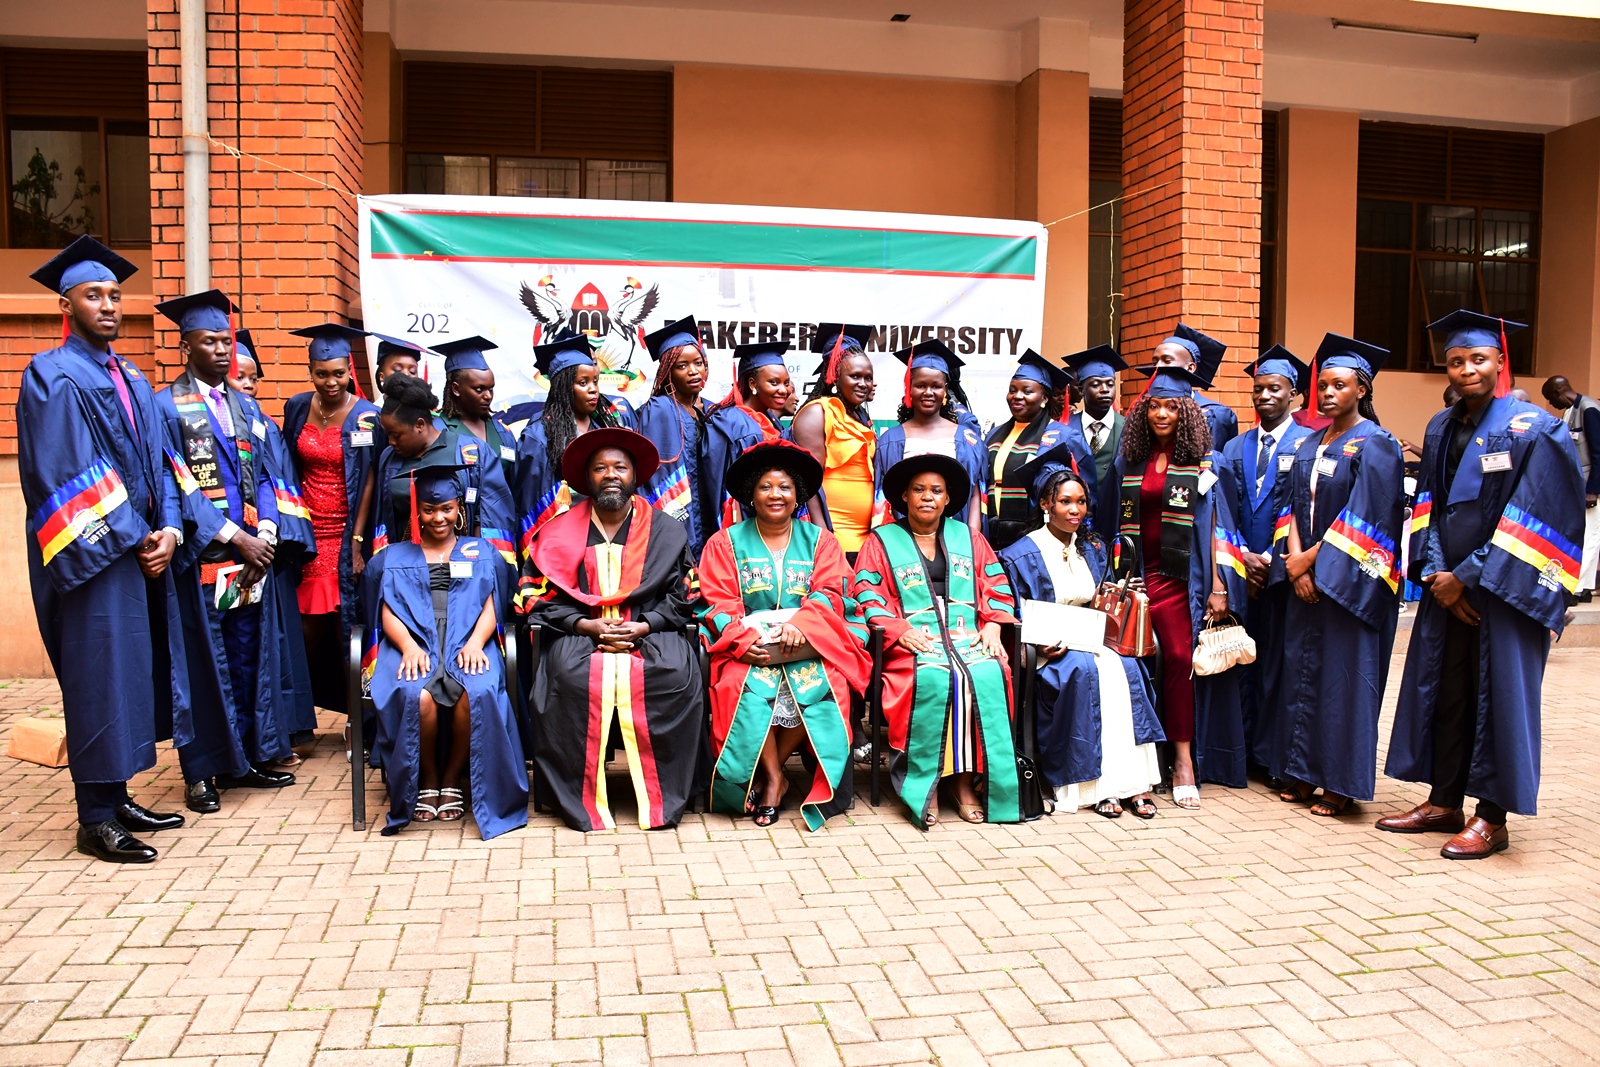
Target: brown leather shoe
(1424,819)
(1481,838)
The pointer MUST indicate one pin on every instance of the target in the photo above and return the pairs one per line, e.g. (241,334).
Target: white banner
(438,268)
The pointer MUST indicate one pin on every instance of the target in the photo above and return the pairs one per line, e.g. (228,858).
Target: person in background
(103,521)
(1255,468)
(573,405)
(1095,713)
(1201,355)
(396,355)
(439,659)
(935,587)
(1495,536)
(762,712)
(469,399)
(1344,515)
(611,583)
(1035,429)
(230,620)
(1099,423)
(1582,416)
(674,420)
(1161,494)
(835,427)
(747,416)
(333,438)
(931,424)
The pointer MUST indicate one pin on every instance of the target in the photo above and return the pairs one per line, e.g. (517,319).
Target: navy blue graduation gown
(1514,537)
(240,715)
(728,432)
(1067,690)
(679,438)
(1219,746)
(1255,515)
(94,489)
(296,544)
(1222,420)
(1336,651)
(361,439)
(498,773)
(971,453)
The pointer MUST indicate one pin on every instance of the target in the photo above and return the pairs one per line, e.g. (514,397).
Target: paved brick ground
(1249,933)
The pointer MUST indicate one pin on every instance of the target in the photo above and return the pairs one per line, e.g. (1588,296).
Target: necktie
(121,385)
(1263,458)
(1097,435)
(220,409)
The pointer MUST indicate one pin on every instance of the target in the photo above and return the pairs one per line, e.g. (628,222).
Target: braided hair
(821,389)
(667,364)
(1190,445)
(1364,406)
(561,421)
(408,398)
(451,408)
(1047,496)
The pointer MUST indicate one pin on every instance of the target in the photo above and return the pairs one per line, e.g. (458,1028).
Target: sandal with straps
(1144,807)
(972,813)
(454,806)
(1328,808)
(1297,792)
(426,810)
(1111,809)
(1186,796)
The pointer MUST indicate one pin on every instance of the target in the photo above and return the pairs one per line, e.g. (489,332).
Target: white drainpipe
(196,148)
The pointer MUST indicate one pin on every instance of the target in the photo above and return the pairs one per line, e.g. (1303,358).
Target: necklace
(323,415)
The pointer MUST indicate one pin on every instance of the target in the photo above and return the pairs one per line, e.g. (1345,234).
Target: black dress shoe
(141,820)
(257,778)
(110,842)
(202,797)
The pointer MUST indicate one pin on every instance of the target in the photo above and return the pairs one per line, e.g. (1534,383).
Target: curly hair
(821,389)
(408,398)
(1191,443)
(561,422)
(1047,494)
(666,365)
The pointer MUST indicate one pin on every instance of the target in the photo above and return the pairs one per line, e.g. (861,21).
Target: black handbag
(1030,790)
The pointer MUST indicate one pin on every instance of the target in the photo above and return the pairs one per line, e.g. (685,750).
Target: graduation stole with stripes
(200,445)
(1179,501)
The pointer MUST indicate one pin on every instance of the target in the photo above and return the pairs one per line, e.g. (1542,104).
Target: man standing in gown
(1099,420)
(103,521)
(610,583)
(1495,536)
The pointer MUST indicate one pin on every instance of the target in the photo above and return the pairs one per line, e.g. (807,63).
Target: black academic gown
(653,696)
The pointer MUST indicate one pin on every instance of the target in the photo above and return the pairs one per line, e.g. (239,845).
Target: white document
(227,592)
(1046,623)
(769,623)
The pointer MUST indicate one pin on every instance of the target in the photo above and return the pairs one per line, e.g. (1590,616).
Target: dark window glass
(127,183)
(1383,224)
(55,182)
(1105,266)
(1509,234)
(427,172)
(1452,230)
(1383,298)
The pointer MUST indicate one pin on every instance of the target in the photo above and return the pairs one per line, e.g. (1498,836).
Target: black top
(439,577)
(938,569)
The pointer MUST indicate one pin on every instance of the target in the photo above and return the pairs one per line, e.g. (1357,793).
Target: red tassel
(66,328)
(416,524)
(355,378)
(910,356)
(1074,461)
(233,346)
(832,373)
(1503,381)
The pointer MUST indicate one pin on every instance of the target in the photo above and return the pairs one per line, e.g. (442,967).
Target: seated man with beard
(610,581)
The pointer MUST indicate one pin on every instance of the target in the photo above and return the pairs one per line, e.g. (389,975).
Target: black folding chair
(873,700)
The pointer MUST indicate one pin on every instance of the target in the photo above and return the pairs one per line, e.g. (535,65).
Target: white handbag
(1223,646)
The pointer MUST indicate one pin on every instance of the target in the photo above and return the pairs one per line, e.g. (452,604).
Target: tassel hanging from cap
(66,328)
(1503,380)
(416,522)
(832,374)
(233,347)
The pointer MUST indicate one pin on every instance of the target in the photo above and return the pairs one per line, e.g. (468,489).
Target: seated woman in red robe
(782,661)
(935,586)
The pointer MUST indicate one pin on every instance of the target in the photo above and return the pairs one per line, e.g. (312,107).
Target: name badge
(1207,480)
(1327,466)
(1286,463)
(361,439)
(472,494)
(259,428)
(508,454)
(460,569)
(1495,461)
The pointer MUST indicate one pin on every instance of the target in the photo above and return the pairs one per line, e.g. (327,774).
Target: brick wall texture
(1191,164)
(284,84)
(21,336)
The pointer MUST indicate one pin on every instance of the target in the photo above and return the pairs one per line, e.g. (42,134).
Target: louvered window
(1105,218)
(1269,227)
(76,151)
(1446,219)
(538,131)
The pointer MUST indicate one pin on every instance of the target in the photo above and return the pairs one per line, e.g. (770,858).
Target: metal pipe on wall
(196,146)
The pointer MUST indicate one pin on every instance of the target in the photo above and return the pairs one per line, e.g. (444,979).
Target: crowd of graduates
(198,571)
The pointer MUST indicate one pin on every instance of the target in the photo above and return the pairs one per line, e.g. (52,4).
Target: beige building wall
(1569,279)
(383,117)
(1316,226)
(1052,171)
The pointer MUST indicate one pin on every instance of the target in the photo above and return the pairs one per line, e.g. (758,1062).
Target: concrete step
(1583,630)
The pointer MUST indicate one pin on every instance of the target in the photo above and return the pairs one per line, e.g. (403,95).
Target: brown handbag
(1127,609)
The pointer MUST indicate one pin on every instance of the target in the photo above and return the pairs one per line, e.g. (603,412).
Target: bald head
(1558,392)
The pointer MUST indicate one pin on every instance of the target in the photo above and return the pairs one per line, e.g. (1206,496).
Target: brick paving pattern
(1250,933)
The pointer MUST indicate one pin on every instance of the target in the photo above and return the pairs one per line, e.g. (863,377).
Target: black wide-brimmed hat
(575,458)
(898,478)
(758,459)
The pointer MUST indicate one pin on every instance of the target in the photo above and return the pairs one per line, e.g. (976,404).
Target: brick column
(284,84)
(1191,168)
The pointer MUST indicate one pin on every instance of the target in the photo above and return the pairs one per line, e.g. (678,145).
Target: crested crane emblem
(616,330)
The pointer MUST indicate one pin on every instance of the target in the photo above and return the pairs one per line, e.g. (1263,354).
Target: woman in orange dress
(834,426)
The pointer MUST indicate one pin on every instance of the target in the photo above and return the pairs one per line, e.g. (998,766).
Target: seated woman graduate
(1341,522)
(772,585)
(1011,501)
(439,658)
(1095,717)
(930,422)
(939,593)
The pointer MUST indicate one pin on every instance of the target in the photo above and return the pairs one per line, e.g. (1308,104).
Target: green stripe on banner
(672,242)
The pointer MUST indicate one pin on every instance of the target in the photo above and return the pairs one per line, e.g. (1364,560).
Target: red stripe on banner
(641,739)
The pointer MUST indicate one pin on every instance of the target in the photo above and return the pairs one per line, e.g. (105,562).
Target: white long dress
(1127,769)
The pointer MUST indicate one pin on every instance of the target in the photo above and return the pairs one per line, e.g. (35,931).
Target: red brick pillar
(1191,171)
(284,84)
